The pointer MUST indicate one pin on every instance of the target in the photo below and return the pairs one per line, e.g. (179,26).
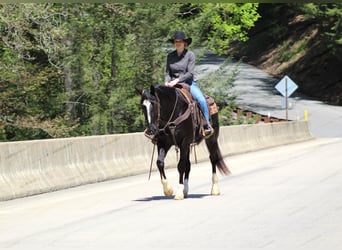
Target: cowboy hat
(180,35)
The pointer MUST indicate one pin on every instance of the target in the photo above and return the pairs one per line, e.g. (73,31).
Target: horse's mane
(162,89)
(168,93)
(171,101)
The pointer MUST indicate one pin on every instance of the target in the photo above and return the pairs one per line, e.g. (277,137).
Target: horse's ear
(152,90)
(139,91)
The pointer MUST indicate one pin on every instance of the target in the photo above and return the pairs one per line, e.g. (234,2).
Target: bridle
(168,122)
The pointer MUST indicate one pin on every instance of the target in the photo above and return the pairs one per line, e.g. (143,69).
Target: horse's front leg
(168,191)
(183,170)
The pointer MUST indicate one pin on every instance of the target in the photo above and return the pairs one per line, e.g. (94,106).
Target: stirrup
(207,133)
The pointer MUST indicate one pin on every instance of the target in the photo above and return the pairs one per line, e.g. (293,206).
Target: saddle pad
(211,104)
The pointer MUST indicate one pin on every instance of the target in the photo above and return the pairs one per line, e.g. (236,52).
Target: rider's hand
(172,83)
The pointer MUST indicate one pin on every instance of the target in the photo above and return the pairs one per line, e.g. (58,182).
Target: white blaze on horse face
(148,106)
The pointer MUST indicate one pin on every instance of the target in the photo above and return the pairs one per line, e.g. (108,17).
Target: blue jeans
(198,95)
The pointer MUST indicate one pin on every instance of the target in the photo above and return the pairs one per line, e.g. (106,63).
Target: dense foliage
(70,69)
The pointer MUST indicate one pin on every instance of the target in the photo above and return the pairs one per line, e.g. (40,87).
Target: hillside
(293,45)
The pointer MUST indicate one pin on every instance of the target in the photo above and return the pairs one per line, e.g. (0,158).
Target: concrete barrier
(35,167)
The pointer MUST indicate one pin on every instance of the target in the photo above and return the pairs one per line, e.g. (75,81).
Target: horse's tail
(216,156)
(214,149)
(220,164)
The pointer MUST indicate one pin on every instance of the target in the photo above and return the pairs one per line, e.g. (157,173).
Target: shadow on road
(158,198)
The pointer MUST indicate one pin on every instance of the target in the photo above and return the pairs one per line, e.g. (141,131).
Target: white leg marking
(186,188)
(180,192)
(168,191)
(215,189)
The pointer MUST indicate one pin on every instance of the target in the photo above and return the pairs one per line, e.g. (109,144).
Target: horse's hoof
(179,196)
(215,190)
(179,193)
(168,192)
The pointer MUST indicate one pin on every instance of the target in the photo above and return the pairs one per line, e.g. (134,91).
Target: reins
(149,175)
(173,112)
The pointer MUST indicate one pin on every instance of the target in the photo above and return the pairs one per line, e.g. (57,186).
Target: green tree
(220,24)
(70,69)
(29,83)
(329,18)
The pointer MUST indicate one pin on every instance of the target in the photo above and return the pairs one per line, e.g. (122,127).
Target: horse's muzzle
(152,129)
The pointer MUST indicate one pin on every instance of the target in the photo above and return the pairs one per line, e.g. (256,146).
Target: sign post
(286,87)
(286,101)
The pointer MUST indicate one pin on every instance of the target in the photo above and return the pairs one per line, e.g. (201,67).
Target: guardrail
(248,114)
(35,167)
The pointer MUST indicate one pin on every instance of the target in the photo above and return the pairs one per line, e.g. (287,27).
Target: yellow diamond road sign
(286,85)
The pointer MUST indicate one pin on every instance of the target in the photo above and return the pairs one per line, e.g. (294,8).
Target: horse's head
(150,106)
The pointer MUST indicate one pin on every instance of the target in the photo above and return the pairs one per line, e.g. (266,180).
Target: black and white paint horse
(172,121)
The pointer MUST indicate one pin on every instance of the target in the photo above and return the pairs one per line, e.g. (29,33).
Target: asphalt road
(256,92)
(287,197)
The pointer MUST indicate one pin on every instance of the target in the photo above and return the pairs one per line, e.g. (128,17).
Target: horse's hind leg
(168,191)
(215,190)
(216,162)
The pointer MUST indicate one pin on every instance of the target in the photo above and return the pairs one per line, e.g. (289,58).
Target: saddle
(184,89)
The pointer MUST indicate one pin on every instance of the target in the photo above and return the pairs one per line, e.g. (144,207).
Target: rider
(180,66)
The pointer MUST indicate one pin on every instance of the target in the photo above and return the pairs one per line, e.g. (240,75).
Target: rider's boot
(207,131)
